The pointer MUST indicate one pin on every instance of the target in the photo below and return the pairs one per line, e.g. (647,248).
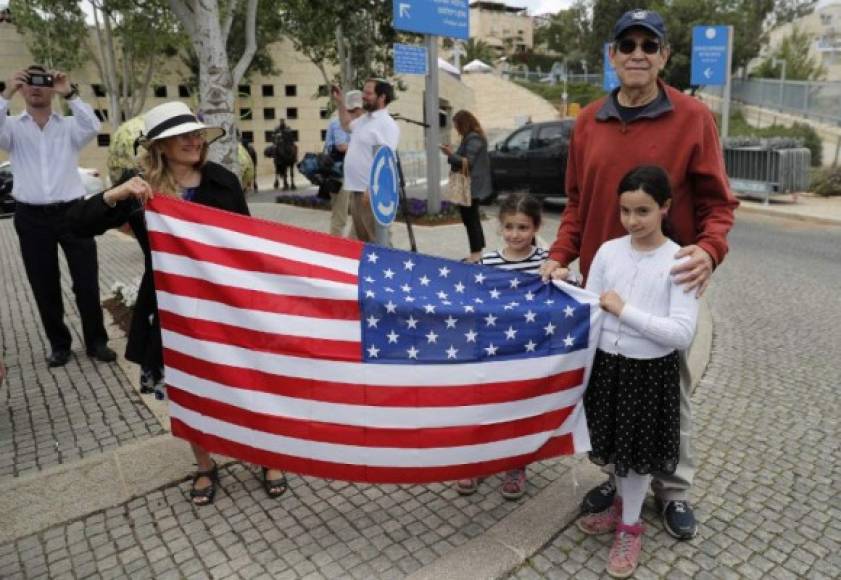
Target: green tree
(54,31)
(567,33)
(477,50)
(794,51)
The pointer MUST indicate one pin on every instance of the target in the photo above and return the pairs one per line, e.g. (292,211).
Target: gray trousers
(675,486)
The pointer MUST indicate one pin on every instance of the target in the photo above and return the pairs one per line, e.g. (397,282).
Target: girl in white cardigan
(632,401)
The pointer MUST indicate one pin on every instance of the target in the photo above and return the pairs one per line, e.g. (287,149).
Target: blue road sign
(611,79)
(709,56)
(409,59)
(384,197)
(437,17)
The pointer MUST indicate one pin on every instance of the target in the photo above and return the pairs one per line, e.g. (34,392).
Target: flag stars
(391,307)
(479,278)
(468,308)
(412,352)
(491,349)
(510,334)
(490,320)
(408,265)
(515,283)
(471,335)
(408,299)
(568,311)
(389,274)
(431,338)
(369,279)
(373,257)
(530,316)
(369,294)
(442,295)
(549,302)
(392,337)
(549,328)
(451,322)
(569,341)
(424,281)
(443,272)
(406,288)
(530,346)
(372,322)
(495,293)
(412,322)
(429,308)
(529,296)
(452,352)
(459,288)
(373,351)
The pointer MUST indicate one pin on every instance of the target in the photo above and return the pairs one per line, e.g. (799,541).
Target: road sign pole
(433,133)
(725,105)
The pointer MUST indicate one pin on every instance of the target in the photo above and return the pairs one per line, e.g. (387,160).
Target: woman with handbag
(471,157)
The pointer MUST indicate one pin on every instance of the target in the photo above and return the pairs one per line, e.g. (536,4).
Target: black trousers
(41,230)
(471,220)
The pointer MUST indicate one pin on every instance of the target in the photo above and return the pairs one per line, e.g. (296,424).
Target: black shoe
(101,352)
(679,519)
(58,358)
(599,498)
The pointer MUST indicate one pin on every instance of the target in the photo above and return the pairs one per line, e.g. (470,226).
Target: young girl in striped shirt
(519,219)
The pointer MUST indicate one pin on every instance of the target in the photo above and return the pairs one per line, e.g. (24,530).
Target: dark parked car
(533,158)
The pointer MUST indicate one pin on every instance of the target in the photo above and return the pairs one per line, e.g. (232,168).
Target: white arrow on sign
(708,72)
(385,209)
(404,10)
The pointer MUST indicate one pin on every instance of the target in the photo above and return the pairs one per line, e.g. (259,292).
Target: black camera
(39,79)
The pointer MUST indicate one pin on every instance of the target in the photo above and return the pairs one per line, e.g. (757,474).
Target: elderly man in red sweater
(645,121)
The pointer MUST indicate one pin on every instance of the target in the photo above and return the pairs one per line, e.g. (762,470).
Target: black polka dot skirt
(633,412)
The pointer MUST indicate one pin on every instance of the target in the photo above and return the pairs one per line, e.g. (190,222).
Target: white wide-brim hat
(174,118)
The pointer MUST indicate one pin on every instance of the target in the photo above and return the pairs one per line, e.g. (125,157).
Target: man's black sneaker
(58,358)
(101,352)
(679,519)
(599,498)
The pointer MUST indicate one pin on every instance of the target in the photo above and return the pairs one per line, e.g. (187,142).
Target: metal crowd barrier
(760,172)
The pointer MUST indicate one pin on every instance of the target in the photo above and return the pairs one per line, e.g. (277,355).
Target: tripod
(404,200)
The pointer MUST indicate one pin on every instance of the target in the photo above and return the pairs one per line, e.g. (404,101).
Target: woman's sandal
(274,487)
(205,495)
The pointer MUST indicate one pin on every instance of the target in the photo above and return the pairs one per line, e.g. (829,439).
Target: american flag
(328,357)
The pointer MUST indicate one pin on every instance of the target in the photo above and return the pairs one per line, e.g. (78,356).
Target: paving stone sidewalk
(767,425)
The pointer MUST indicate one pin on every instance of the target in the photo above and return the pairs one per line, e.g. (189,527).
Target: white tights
(632,489)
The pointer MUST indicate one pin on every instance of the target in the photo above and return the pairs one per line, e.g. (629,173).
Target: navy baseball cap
(638,18)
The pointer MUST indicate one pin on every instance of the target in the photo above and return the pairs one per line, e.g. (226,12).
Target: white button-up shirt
(45,161)
(367,134)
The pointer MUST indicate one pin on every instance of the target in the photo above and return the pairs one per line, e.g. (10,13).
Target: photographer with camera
(44,148)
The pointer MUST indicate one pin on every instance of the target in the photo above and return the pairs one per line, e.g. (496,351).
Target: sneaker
(599,498)
(514,485)
(625,553)
(603,522)
(467,486)
(679,519)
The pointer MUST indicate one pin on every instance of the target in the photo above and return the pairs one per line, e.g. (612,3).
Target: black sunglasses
(629,45)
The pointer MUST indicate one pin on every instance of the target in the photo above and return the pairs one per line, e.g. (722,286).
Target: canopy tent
(477,66)
(447,67)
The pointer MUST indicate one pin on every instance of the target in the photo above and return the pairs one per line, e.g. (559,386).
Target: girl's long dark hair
(521,203)
(653,180)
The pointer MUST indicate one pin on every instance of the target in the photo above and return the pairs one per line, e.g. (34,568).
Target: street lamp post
(782,63)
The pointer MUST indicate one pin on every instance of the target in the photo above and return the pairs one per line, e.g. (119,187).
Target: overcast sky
(540,6)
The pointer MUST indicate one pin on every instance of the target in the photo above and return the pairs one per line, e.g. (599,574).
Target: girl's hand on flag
(612,302)
(135,187)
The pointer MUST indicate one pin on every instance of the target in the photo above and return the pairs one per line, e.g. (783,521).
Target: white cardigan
(658,316)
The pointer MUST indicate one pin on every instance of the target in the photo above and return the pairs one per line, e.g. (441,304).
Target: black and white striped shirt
(529,265)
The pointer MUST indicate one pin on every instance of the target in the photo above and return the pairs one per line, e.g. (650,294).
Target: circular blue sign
(384,196)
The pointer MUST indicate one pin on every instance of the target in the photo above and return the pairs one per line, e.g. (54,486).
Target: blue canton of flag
(416,307)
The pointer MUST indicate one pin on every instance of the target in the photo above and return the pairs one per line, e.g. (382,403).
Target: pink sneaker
(514,485)
(625,552)
(603,522)
(467,486)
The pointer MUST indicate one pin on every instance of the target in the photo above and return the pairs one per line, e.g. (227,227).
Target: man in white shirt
(368,133)
(44,150)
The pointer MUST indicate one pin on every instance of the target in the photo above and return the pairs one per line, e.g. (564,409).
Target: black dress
(633,413)
(219,188)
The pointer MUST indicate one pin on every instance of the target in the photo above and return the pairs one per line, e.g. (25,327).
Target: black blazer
(219,188)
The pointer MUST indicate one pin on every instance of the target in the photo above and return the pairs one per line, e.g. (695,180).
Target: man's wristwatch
(74,92)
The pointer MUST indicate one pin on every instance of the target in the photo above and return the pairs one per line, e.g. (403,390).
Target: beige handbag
(458,186)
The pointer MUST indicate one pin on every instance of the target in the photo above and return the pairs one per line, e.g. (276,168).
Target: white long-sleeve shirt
(45,161)
(658,316)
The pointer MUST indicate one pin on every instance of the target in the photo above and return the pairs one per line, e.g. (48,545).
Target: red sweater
(682,139)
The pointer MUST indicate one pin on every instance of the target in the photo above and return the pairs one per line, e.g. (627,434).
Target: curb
(782,214)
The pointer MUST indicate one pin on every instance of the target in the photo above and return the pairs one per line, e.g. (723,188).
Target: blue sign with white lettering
(409,59)
(436,17)
(611,79)
(384,196)
(709,56)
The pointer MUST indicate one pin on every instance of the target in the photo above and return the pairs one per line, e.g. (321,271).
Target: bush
(581,93)
(827,182)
